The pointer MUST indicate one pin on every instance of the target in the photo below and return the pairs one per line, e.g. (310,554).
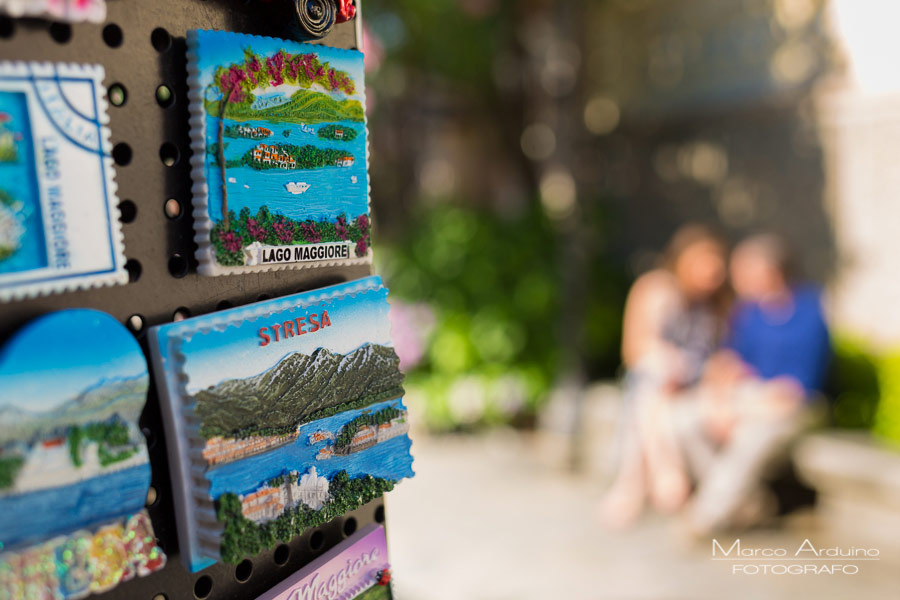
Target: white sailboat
(296,187)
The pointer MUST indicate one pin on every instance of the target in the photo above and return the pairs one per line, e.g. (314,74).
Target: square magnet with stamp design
(59,217)
(93,11)
(280,156)
(280,416)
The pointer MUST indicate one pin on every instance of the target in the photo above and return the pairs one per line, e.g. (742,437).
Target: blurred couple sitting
(716,388)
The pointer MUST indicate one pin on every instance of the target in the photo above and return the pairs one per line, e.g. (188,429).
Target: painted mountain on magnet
(280,153)
(74,468)
(281,416)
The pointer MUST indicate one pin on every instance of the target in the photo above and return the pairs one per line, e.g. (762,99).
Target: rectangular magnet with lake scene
(278,131)
(280,415)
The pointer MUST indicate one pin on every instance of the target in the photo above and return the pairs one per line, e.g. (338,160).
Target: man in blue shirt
(751,402)
(778,330)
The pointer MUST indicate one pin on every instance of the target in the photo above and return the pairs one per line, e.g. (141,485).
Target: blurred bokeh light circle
(538,141)
(601,115)
(558,193)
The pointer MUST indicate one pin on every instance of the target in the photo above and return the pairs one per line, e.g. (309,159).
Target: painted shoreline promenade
(50,468)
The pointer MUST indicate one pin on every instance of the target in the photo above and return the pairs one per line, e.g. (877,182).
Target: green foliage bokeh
(865,389)
(853,384)
(441,38)
(887,416)
(493,282)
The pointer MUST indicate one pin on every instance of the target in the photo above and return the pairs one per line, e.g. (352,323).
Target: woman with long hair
(672,324)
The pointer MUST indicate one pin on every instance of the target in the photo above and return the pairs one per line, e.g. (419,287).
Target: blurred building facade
(757,114)
(548,148)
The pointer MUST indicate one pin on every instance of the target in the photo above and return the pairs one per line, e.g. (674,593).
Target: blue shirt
(793,343)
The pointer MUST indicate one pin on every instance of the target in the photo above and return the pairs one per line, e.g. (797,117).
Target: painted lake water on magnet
(332,190)
(73,385)
(42,514)
(390,459)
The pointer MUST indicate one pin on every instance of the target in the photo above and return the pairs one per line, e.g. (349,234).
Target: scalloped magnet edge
(59,216)
(279,416)
(281,182)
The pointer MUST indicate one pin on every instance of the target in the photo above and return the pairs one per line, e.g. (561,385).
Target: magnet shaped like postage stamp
(356,568)
(74,468)
(63,10)
(280,416)
(280,156)
(59,221)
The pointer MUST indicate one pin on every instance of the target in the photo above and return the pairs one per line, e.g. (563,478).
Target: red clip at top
(346,11)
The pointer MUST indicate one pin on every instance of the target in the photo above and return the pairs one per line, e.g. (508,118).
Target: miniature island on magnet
(74,467)
(280,153)
(292,411)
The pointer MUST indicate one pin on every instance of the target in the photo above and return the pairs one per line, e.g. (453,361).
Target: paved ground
(486,518)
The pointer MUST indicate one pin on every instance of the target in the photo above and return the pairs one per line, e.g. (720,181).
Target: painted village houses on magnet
(271,156)
(268,503)
(253,132)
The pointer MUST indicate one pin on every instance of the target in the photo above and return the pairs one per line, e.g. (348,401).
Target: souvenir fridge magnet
(59,221)
(74,469)
(93,11)
(357,568)
(281,415)
(279,154)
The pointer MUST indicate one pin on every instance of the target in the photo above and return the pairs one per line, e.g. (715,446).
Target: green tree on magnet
(235,83)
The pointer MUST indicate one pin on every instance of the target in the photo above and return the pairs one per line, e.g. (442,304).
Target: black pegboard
(142,47)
